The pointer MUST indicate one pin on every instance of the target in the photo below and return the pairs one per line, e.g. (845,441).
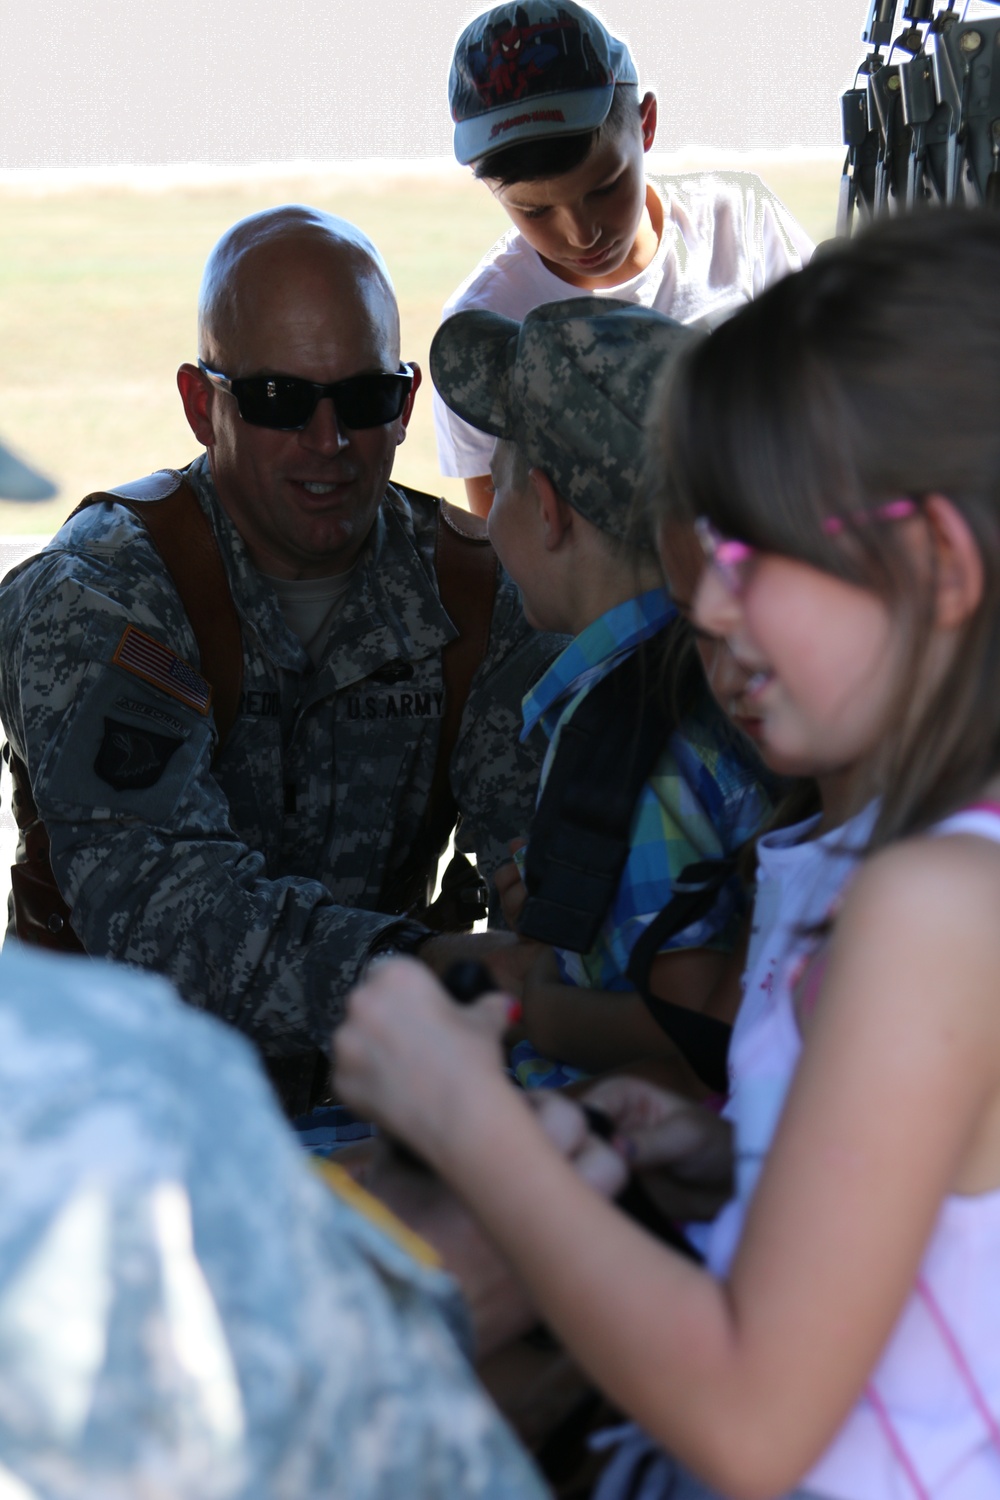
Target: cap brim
(19,482)
(472,357)
(534,119)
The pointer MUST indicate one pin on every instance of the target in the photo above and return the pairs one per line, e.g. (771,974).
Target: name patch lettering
(396,706)
(254,705)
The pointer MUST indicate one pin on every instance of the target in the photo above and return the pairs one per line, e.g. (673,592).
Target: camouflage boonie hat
(570,386)
(530,69)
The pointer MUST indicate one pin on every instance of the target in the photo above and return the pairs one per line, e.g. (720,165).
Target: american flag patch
(162,667)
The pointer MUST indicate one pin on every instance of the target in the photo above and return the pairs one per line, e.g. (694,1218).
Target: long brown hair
(874,373)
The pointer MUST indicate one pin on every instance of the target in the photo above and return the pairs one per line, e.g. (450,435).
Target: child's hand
(510,886)
(411,1059)
(683,1150)
(663,1129)
(566,1126)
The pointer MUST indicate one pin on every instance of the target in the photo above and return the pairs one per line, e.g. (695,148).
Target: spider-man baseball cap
(533,69)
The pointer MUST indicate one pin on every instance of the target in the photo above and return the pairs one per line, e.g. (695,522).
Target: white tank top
(928,1424)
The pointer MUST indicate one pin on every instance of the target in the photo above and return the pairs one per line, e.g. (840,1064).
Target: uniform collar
(391,612)
(594,652)
(253,596)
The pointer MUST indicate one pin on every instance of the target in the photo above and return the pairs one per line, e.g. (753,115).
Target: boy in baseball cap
(563,396)
(547,112)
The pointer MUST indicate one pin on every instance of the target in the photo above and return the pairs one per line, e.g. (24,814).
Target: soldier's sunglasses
(287,403)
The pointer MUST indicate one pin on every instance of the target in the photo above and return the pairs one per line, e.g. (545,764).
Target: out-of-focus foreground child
(547,112)
(565,396)
(845,1333)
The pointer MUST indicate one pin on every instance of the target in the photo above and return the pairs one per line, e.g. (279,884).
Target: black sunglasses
(287,403)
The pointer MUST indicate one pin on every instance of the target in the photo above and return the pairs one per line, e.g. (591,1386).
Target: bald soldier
(226,686)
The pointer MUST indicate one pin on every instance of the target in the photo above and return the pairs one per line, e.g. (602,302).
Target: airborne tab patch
(132,759)
(157,664)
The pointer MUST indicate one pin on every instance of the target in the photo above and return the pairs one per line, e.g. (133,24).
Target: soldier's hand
(506,956)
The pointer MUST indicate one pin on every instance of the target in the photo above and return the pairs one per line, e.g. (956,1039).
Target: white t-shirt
(725,238)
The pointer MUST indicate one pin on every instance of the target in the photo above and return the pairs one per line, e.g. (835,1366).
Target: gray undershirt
(310,606)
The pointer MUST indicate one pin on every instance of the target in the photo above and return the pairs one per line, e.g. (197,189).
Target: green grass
(98,290)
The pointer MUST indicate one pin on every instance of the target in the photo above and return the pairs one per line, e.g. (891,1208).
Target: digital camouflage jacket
(251,883)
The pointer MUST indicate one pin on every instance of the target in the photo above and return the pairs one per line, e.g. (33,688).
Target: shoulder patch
(132,759)
(157,664)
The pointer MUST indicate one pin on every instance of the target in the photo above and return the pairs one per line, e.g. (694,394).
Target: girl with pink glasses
(839,443)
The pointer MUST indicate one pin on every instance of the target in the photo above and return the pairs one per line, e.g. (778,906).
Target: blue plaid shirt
(703,801)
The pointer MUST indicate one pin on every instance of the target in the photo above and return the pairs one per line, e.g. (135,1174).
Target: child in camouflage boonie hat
(568,387)
(565,394)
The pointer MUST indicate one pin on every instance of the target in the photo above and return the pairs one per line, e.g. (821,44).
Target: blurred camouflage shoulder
(184,1307)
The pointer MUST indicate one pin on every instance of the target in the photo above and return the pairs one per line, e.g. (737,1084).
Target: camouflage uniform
(184,1308)
(252,883)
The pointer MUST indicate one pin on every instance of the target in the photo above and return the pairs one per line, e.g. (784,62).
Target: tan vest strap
(181,533)
(466,569)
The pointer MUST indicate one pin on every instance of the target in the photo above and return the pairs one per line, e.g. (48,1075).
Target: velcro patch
(140,654)
(132,759)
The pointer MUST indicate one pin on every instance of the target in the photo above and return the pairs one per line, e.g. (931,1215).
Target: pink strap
(964,1369)
(951,1343)
(895,1442)
(984,806)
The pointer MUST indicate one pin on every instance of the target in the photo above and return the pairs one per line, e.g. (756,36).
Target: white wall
(103,81)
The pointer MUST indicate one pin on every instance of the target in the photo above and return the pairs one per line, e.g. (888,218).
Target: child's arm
(895,1104)
(510,886)
(601,1029)
(498,1306)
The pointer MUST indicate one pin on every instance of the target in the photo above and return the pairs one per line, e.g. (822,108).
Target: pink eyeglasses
(730,557)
